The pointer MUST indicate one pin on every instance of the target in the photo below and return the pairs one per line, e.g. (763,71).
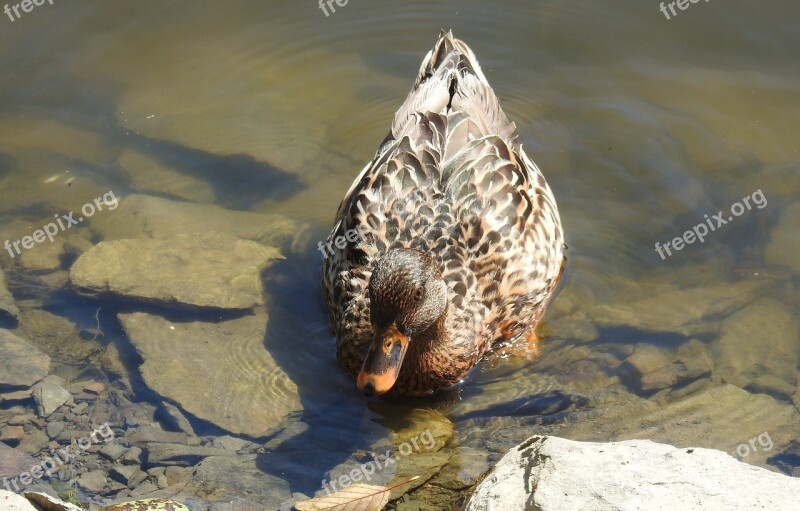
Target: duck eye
(418,294)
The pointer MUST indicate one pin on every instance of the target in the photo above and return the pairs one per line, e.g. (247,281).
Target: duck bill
(382,365)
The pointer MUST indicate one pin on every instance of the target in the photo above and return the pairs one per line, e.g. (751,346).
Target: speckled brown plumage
(450,181)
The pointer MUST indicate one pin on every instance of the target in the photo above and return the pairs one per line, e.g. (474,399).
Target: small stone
(19,395)
(177,475)
(156,471)
(229,443)
(21,420)
(144,489)
(161,481)
(130,475)
(12,433)
(113,451)
(50,396)
(133,455)
(55,428)
(93,482)
(94,388)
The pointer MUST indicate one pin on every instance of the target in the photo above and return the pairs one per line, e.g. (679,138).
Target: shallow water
(642,126)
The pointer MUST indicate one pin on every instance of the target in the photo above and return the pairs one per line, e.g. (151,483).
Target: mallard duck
(447,244)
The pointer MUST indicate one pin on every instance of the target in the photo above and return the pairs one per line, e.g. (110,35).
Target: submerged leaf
(356,497)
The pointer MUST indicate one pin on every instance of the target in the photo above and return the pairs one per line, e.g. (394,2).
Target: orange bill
(382,365)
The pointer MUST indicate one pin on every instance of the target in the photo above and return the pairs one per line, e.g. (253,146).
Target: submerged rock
(687,306)
(218,372)
(784,245)
(200,269)
(551,473)
(50,395)
(7,305)
(152,217)
(148,505)
(21,365)
(758,341)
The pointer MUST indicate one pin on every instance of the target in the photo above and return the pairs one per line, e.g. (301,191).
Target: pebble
(54,429)
(93,481)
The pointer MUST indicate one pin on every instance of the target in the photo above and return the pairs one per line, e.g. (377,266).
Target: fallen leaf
(356,497)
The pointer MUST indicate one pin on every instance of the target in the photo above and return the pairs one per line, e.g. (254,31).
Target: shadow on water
(239,180)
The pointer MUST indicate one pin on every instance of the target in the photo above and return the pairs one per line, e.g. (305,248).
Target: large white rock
(13,502)
(551,473)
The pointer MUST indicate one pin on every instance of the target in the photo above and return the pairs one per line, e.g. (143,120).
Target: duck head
(408,300)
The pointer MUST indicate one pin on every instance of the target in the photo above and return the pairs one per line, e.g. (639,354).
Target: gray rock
(129,475)
(93,482)
(551,473)
(55,428)
(654,369)
(154,433)
(152,217)
(12,502)
(192,269)
(225,479)
(133,455)
(180,455)
(226,360)
(49,396)
(21,365)
(113,451)
(229,443)
(148,175)
(7,304)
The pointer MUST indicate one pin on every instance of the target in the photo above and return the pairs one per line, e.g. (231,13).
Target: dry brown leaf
(356,497)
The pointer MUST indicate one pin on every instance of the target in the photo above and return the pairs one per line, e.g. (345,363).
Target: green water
(642,125)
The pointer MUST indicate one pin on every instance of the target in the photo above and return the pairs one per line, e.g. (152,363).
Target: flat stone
(147,175)
(551,473)
(180,455)
(19,395)
(193,269)
(153,217)
(93,482)
(688,306)
(129,475)
(227,364)
(44,257)
(229,443)
(224,479)
(757,340)
(21,365)
(94,388)
(7,304)
(113,451)
(12,433)
(154,433)
(49,396)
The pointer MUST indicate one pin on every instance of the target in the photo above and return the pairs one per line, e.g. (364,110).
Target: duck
(448,243)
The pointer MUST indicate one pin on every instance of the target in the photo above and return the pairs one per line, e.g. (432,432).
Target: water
(642,126)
